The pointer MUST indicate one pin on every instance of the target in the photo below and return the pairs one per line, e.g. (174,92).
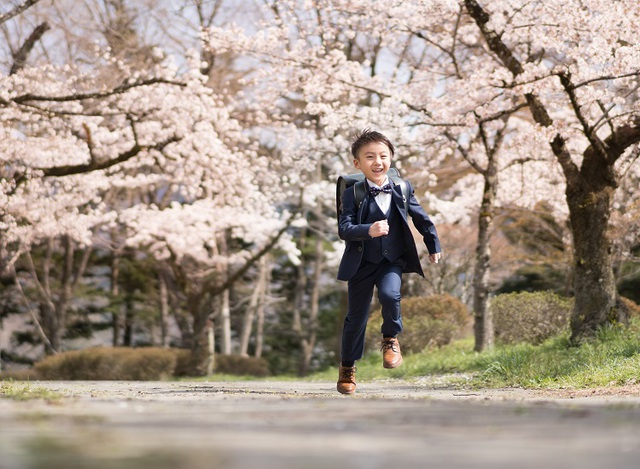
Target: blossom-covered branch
(59,171)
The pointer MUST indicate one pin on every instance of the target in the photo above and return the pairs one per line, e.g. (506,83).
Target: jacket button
(359,248)
(386,252)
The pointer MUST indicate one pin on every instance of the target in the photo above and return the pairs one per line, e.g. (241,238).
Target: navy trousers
(387,278)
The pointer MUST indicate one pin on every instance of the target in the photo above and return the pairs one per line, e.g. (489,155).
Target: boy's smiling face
(374,160)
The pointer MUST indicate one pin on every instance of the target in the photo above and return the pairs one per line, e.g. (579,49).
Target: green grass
(457,357)
(24,392)
(612,358)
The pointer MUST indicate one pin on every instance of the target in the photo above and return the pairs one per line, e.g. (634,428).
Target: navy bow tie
(374,191)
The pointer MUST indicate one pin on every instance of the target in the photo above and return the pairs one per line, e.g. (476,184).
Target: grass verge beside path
(25,392)
(612,358)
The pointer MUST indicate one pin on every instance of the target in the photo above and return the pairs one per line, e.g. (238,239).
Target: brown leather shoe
(391,355)
(347,380)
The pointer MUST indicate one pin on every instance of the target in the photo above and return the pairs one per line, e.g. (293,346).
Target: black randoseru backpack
(359,188)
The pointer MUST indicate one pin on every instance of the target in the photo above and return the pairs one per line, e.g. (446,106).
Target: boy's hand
(434,258)
(379,228)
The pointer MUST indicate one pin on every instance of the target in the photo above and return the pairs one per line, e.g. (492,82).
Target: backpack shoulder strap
(359,190)
(404,187)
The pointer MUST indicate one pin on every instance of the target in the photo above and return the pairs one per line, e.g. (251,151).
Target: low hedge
(101,363)
(631,308)
(225,364)
(243,366)
(135,364)
(530,317)
(431,321)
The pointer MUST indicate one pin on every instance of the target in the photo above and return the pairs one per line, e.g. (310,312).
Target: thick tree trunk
(183,321)
(199,357)
(596,294)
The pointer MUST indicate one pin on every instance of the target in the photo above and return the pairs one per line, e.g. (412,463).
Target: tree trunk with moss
(596,296)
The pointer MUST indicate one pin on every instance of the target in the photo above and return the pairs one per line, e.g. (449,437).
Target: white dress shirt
(383,199)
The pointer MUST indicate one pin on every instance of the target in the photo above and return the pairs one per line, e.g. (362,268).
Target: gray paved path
(286,425)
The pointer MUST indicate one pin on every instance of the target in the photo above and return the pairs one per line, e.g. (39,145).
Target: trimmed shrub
(631,308)
(238,365)
(529,317)
(137,364)
(183,363)
(225,364)
(431,321)
(103,363)
(18,375)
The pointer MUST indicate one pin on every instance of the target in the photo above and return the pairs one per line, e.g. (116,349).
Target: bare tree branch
(17,10)
(26,98)
(20,57)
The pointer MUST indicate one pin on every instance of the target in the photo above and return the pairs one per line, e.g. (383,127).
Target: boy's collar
(373,184)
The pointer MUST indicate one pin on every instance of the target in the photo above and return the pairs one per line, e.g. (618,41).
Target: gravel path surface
(285,425)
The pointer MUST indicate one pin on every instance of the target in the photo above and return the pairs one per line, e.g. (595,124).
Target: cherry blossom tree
(501,86)
(330,66)
(593,74)
(80,148)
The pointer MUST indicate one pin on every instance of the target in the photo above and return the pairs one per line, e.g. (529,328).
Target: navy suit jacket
(355,233)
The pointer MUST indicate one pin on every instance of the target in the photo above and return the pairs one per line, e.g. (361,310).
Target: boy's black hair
(369,136)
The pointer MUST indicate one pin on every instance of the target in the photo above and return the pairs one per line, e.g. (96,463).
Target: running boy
(379,248)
